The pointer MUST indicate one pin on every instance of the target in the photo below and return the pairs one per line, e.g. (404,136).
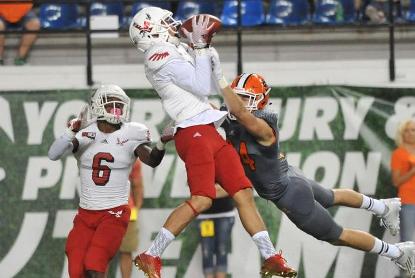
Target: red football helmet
(254,87)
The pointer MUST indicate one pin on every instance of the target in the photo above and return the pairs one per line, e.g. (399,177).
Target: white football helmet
(111,104)
(151,25)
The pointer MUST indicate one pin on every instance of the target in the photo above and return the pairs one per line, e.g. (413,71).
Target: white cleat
(406,260)
(390,220)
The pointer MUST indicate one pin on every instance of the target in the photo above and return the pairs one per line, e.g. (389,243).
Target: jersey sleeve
(138,134)
(195,78)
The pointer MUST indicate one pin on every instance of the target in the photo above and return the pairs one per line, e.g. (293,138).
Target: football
(187,24)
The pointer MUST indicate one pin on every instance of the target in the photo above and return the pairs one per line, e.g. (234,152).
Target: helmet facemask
(111,104)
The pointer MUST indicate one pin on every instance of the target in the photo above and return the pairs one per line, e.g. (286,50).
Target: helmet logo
(145,28)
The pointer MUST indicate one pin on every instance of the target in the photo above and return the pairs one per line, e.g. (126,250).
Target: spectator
(215,227)
(403,176)
(377,11)
(16,16)
(129,243)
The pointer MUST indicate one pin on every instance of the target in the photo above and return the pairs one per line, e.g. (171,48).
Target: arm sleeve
(194,79)
(60,147)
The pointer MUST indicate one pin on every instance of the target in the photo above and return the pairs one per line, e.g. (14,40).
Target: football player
(105,145)
(253,131)
(183,79)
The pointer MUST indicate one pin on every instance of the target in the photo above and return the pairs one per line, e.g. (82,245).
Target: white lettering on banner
(70,179)
(364,174)
(404,109)
(328,161)
(66,111)
(25,245)
(354,116)
(41,173)
(63,223)
(2,174)
(149,112)
(317,114)
(289,124)
(6,118)
(37,119)
(156,177)
(295,243)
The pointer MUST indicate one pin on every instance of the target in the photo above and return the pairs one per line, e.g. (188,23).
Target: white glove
(200,29)
(78,123)
(217,68)
(166,135)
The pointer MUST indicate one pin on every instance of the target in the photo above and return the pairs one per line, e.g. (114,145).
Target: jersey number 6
(101,173)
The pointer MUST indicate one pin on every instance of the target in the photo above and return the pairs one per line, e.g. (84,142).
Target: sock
(264,244)
(373,205)
(162,240)
(385,249)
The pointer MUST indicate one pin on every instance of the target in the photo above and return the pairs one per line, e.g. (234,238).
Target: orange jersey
(402,161)
(14,12)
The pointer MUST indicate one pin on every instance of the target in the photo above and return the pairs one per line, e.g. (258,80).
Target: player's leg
(110,230)
(311,217)
(77,245)
(231,176)
(386,209)
(129,245)
(208,246)
(223,230)
(31,23)
(198,158)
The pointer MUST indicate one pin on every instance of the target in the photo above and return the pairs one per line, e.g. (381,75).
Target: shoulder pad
(137,132)
(160,54)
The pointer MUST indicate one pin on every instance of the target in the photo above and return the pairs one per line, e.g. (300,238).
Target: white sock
(264,244)
(385,249)
(373,205)
(162,240)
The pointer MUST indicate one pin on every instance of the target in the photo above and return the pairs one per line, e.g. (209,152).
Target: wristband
(160,145)
(223,83)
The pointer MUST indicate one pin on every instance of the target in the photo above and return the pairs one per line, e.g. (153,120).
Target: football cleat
(406,260)
(151,266)
(390,220)
(277,266)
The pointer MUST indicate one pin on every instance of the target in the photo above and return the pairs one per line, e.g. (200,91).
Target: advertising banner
(338,136)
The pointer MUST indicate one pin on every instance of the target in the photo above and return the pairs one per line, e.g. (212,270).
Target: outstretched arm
(150,156)
(257,127)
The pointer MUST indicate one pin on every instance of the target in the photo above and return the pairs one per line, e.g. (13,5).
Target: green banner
(339,136)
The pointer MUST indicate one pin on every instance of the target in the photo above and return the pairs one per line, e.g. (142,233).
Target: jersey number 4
(246,159)
(101,173)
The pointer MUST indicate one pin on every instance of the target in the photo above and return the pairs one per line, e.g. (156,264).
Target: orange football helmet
(254,87)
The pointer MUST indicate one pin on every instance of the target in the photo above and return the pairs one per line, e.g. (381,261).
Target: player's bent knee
(199,203)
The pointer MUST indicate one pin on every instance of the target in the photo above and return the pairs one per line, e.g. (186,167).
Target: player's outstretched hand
(200,31)
(80,122)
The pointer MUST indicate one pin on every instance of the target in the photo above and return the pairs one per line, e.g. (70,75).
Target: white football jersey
(105,161)
(182,80)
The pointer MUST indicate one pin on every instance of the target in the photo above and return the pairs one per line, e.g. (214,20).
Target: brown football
(187,24)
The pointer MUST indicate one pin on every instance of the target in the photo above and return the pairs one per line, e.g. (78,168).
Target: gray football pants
(304,202)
